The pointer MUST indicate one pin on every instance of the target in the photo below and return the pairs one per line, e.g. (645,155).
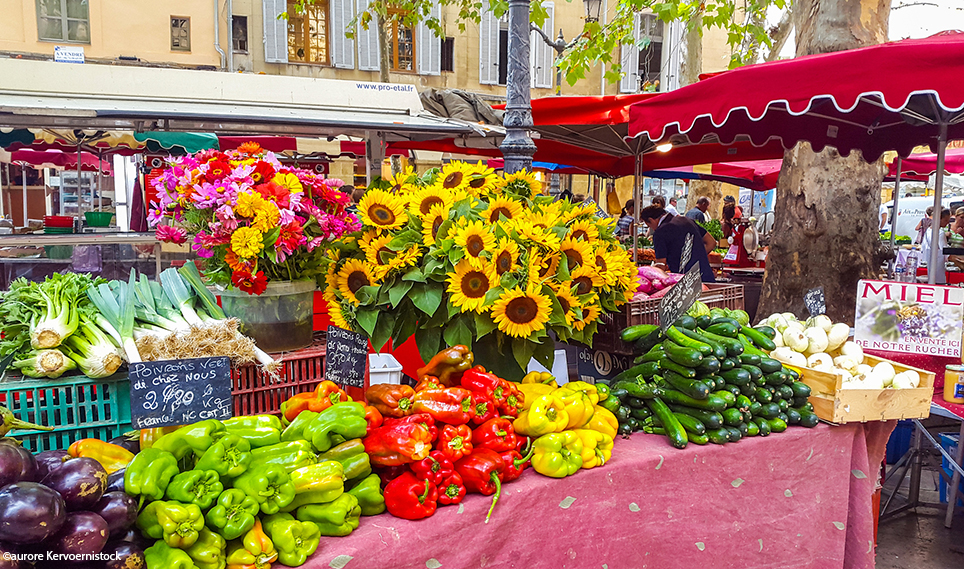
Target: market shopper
(669,236)
(939,270)
(924,224)
(698,212)
(731,213)
(957,226)
(885,221)
(671,208)
(626,221)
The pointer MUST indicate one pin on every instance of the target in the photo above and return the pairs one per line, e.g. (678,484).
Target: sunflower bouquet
(466,256)
(252,218)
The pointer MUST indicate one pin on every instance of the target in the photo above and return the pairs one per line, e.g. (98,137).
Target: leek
(93,350)
(180,295)
(116,304)
(190,273)
(45,363)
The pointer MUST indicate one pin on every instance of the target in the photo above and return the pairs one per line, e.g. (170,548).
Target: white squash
(837,336)
(845,362)
(788,356)
(906,380)
(821,321)
(794,325)
(794,339)
(853,350)
(820,361)
(816,340)
(864,370)
(778,340)
(885,372)
(777,322)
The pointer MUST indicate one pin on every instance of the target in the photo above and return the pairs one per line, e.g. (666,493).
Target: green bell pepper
(313,497)
(163,556)
(335,519)
(191,438)
(368,491)
(353,458)
(295,540)
(269,485)
(326,475)
(180,523)
(148,475)
(258,430)
(208,551)
(557,454)
(147,521)
(201,487)
(290,456)
(229,456)
(233,514)
(342,419)
(296,430)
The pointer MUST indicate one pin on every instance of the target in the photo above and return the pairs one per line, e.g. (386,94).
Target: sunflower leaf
(557,316)
(367,319)
(522,349)
(426,298)
(509,280)
(453,310)
(366,295)
(397,293)
(415,275)
(493,295)
(405,325)
(562,273)
(404,240)
(457,333)
(384,325)
(483,325)
(427,340)
(545,353)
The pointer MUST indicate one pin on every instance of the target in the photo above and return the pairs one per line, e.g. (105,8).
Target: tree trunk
(384,61)
(708,188)
(693,54)
(780,33)
(825,230)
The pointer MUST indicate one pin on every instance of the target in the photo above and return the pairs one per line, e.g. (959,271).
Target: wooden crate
(836,405)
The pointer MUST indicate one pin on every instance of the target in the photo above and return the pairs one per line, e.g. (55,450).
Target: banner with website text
(910,318)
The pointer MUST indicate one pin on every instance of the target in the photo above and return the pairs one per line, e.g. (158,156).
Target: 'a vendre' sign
(912,318)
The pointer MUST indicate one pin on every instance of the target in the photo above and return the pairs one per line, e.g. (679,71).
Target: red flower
(290,237)
(170,234)
(274,193)
(251,284)
(263,172)
(217,170)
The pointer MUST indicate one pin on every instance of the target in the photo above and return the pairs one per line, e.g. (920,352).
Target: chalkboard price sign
(178,392)
(680,298)
(346,357)
(687,253)
(815,301)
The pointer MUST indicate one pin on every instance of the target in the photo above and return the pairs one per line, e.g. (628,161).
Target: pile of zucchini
(707,380)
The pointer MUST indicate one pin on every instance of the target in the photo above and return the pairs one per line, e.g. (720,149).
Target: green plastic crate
(78,407)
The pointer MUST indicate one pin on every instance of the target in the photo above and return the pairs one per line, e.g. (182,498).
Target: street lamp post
(517,147)
(560,46)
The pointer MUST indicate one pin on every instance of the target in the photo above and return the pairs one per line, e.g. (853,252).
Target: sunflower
(584,230)
(519,312)
(455,176)
(403,180)
(608,265)
(537,235)
(352,276)
(468,285)
(407,258)
(523,183)
(590,313)
(422,201)
(432,222)
(502,206)
(331,277)
(336,315)
(483,180)
(578,253)
(475,239)
(377,253)
(383,210)
(585,279)
(548,266)
(568,301)
(505,257)
(542,220)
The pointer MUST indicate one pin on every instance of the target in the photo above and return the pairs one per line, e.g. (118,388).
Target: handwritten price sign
(680,298)
(179,392)
(346,356)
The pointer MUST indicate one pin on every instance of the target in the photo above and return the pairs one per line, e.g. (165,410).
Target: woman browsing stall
(669,238)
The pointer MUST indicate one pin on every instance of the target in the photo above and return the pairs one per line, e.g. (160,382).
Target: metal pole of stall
(100,181)
(79,188)
(637,197)
(23,178)
(517,147)
(937,255)
(893,217)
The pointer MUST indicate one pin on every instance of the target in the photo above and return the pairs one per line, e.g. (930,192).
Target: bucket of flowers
(261,228)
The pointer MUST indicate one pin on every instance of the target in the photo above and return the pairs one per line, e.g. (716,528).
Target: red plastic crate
(255,392)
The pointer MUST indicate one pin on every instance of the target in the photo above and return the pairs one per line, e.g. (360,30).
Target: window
(448,54)
(63,20)
(504,50)
(401,43)
(180,33)
(651,56)
(308,33)
(239,33)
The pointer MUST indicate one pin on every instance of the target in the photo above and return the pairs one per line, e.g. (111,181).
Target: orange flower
(237,263)
(250,148)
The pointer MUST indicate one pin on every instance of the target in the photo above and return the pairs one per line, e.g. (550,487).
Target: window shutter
(629,82)
(672,47)
(368,58)
(489,49)
(543,57)
(428,46)
(342,48)
(275,31)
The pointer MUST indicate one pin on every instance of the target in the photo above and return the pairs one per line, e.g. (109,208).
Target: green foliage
(713,227)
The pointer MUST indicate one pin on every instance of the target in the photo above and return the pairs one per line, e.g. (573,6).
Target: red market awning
(902,92)
(923,165)
(759,175)
(54,159)
(276,144)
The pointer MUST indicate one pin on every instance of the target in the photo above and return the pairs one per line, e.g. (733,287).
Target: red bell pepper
(484,408)
(410,498)
(448,365)
(324,396)
(423,419)
(452,405)
(391,400)
(451,490)
(523,444)
(433,468)
(515,463)
(428,382)
(373,417)
(455,441)
(481,471)
(496,434)
(398,443)
(481,381)
(514,399)
(388,473)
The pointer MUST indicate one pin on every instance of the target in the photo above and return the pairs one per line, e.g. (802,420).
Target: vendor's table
(798,499)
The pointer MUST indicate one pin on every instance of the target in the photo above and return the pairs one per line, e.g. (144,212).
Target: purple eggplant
(118,509)
(131,441)
(50,460)
(80,481)
(17,464)
(115,481)
(83,533)
(124,555)
(30,512)
(134,536)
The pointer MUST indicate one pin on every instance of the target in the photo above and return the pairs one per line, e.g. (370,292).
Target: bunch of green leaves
(713,227)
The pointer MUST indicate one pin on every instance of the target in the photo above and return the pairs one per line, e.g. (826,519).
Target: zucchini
(743,428)
(709,366)
(729,363)
(736,376)
(733,347)
(647,342)
(766,331)
(718,351)
(687,357)
(725,320)
(770,410)
(624,430)
(718,381)
(676,335)
(783,404)
(734,434)
(777,425)
(749,347)
(611,403)
(645,369)
(710,419)
(775,378)
(752,429)
(763,396)
(763,425)
(691,387)
(685,321)
(808,419)
(747,416)
(793,416)
(641,414)
(800,402)
(692,425)
(634,403)
(698,439)
(732,417)
(647,391)
(757,337)
(652,355)
(793,373)
(674,431)
(755,372)
(719,436)
(770,365)
(756,408)
(735,390)
(800,389)
(667,364)
(783,417)
(633,333)
(634,424)
(711,403)
(725,396)
(703,321)
(785,392)
(743,403)
(724,329)
(623,414)
(750,359)
(749,389)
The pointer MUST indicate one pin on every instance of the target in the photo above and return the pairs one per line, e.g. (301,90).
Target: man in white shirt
(925,249)
(884,215)
(671,208)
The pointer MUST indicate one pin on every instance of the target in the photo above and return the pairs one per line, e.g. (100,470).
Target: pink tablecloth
(799,499)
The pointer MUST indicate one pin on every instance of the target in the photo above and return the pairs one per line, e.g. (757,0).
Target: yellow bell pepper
(597,447)
(557,454)
(587,388)
(578,406)
(547,414)
(540,377)
(533,391)
(603,421)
